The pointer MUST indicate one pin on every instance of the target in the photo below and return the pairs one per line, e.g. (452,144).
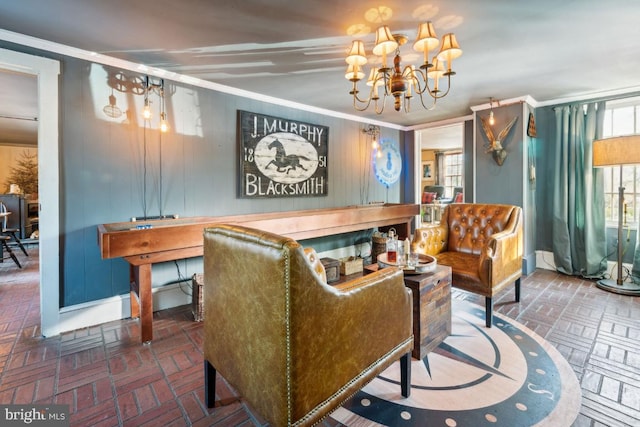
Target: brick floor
(108,378)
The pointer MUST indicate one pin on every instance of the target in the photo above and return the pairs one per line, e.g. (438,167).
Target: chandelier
(402,84)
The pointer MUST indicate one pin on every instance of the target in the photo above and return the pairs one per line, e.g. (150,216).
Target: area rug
(501,376)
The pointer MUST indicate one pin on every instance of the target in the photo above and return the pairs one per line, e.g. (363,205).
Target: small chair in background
(5,246)
(10,232)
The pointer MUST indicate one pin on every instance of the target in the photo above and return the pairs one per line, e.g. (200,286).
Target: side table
(431,307)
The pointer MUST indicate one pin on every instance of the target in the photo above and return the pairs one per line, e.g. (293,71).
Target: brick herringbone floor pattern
(108,378)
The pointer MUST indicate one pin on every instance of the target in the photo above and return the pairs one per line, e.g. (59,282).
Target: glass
(414,258)
(400,259)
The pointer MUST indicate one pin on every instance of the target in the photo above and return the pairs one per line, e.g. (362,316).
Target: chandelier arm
(386,78)
(355,105)
(425,81)
(432,106)
(448,88)
(384,102)
(356,98)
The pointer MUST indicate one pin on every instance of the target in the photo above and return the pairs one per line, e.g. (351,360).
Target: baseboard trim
(544,260)
(105,310)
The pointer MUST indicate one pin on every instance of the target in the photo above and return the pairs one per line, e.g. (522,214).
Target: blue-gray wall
(103,172)
(510,182)
(102,177)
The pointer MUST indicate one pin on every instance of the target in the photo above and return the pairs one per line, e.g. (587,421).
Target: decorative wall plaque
(388,166)
(281,157)
(531,128)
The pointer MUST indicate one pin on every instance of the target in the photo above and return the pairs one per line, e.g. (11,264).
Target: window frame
(457,177)
(618,125)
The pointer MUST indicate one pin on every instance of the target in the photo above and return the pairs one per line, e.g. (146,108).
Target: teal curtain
(579,235)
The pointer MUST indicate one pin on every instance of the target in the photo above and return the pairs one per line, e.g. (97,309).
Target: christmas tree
(25,173)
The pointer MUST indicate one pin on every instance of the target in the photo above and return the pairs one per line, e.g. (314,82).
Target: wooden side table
(431,309)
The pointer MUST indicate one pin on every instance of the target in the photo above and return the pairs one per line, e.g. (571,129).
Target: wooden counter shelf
(173,239)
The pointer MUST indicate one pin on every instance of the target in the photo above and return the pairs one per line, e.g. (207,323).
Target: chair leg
(405,374)
(209,384)
(488,307)
(13,233)
(11,254)
(518,289)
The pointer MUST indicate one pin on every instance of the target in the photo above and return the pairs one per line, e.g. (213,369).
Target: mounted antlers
(495,144)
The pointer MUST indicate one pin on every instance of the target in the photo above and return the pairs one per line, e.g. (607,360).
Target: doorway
(440,165)
(46,71)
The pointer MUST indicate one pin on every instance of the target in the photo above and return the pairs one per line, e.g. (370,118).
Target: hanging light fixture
(146,110)
(164,124)
(374,133)
(492,120)
(402,83)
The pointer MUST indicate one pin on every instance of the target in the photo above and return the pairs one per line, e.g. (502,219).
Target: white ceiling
(294,50)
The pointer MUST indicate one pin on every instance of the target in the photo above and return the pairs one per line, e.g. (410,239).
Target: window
(622,117)
(452,172)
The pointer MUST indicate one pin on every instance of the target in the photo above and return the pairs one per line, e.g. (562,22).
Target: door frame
(47,72)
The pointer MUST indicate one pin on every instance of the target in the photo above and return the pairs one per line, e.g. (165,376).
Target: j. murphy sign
(280,157)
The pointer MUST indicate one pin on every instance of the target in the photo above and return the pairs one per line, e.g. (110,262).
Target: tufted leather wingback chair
(294,347)
(483,245)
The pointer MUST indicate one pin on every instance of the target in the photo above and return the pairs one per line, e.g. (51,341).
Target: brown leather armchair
(294,347)
(483,245)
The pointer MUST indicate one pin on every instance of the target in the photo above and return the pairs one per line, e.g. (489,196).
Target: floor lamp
(618,151)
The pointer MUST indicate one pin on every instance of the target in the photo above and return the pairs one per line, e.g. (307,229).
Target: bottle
(392,247)
(407,251)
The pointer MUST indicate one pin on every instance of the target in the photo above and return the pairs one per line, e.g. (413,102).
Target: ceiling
(294,50)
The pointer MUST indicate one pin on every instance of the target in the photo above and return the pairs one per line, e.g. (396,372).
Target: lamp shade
(385,43)
(450,49)
(427,38)
(618,150)
(356,54)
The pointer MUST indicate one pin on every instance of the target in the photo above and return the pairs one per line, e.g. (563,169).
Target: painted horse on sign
(283,161)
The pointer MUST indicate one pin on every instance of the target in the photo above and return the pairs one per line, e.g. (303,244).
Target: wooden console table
(144,243)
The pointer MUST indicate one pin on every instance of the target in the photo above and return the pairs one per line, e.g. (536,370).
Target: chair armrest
(430,240)
(501,258)
(360,323)
(374,297)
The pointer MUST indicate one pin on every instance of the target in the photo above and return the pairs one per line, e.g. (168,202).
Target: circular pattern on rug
(503,375)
